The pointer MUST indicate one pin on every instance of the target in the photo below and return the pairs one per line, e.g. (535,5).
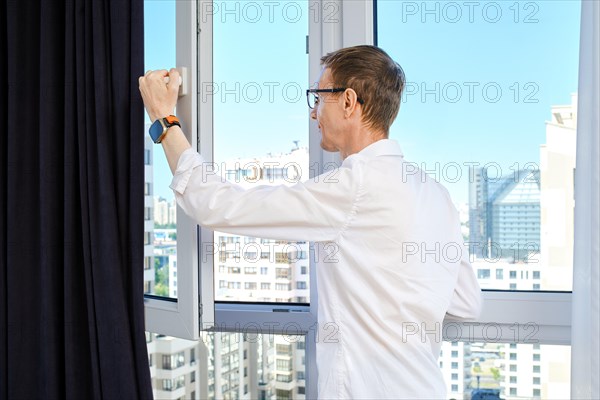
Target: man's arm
(466,302)
(160,99)
(316,210)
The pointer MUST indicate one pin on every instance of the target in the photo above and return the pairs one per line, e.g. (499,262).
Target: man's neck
(359,141)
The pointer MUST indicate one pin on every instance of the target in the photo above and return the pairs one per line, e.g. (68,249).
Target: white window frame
(507,312)
(181,317)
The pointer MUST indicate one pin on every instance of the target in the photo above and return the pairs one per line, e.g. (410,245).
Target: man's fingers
(175,78)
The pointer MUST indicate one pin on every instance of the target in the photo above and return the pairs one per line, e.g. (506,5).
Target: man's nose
(313,113)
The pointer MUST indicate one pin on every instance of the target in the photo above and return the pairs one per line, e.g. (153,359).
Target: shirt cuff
(188,161)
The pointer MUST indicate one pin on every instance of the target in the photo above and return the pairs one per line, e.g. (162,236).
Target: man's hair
(375,77)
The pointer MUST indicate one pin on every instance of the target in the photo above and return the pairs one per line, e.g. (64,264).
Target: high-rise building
(231,365)
(557,167)
(504,214)
(165,211)
(148,217)
(527,370)
(455,364)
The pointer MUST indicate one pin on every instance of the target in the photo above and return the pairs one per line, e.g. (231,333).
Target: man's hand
(160,90)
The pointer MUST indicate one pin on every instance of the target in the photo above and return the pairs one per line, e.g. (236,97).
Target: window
(454,388)
(173,384)
(246,151)
(283,394)
(166,362)
(454,377)
(483,274)
(283,286)
(173,361)
(503,190)
(284,365)
(484,148)
(499,273)
(284,349)
(284,378)
(513,379)
(513,368)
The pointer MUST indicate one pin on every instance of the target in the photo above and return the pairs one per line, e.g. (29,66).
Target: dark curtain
(71,215)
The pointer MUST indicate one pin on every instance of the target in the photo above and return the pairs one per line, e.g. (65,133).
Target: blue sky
(509,61)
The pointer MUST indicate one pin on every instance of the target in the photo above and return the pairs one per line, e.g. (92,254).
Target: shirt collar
(383,147)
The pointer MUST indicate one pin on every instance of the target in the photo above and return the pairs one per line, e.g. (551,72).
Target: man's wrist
(160,127)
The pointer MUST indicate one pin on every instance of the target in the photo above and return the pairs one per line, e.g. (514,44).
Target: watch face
(156,130)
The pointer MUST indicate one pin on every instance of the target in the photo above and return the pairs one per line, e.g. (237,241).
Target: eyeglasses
(313,98)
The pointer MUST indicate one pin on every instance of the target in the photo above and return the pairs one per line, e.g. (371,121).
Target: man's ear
(350,102)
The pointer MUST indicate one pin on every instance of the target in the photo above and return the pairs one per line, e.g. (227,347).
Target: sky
(481,78)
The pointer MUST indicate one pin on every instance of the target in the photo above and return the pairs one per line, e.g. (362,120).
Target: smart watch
(158,130)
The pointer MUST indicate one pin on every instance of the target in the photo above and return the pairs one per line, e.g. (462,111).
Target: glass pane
(506,370)
(260,137)
(228,366)
(160,211)
(490,111)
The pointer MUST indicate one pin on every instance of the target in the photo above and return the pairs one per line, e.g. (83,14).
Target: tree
(495,373)
(161,280)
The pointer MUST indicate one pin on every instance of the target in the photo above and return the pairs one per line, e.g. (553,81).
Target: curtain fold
(585,351)
(71,221)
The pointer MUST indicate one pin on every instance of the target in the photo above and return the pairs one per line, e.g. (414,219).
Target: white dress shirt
(391,263)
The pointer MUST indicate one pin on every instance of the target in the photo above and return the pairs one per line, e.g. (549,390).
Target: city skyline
(504,132)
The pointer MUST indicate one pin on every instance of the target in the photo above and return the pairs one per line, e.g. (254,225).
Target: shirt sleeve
(466,302)
(316,210)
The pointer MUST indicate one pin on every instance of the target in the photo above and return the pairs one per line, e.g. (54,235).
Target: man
(392,263)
